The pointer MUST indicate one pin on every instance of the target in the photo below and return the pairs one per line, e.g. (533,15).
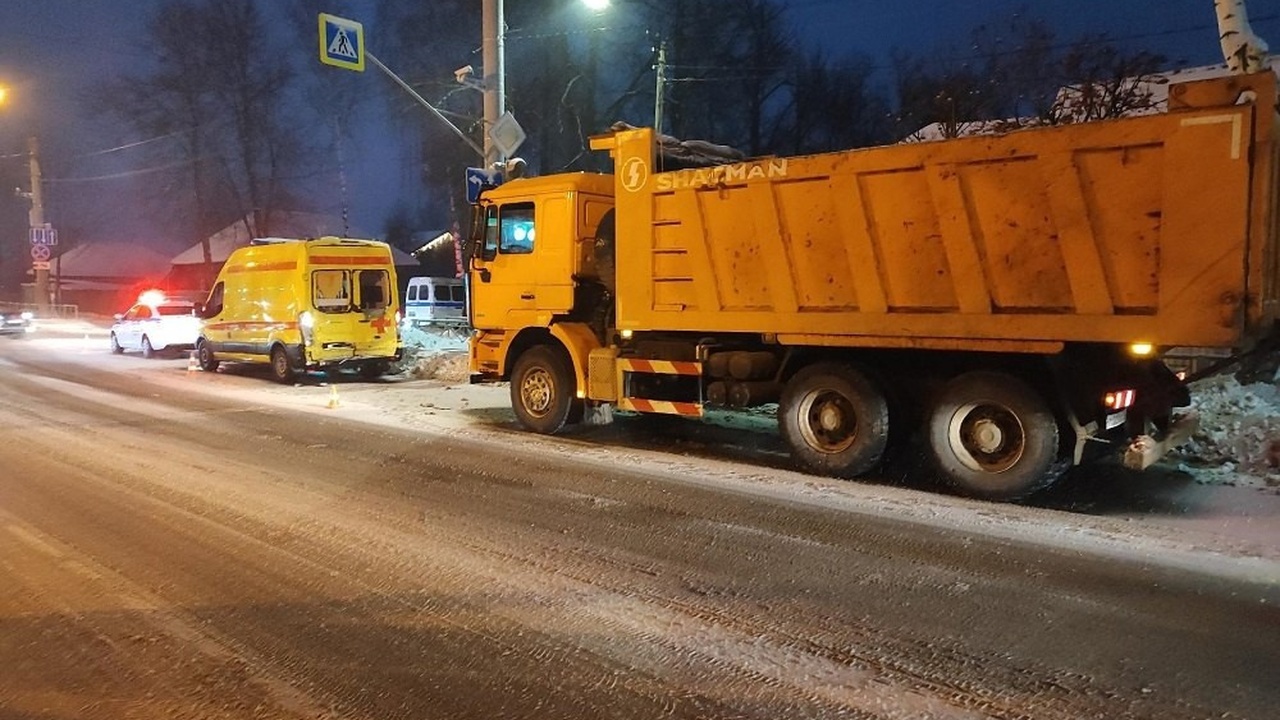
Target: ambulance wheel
(993,437)
(542,390)
(834,419)
(281,369)
(147,351)
(116,349)
(204,354)
(374,370)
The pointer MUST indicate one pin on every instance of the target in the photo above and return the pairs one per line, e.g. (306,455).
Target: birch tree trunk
(1244,51)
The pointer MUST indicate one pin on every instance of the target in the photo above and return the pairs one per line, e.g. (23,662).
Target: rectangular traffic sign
(341,42)
(40,265)
(478,179)
(44,235)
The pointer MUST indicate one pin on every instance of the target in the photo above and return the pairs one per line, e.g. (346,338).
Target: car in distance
(15,322)
(156,324)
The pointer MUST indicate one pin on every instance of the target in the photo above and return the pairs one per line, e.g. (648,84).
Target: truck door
(504,274)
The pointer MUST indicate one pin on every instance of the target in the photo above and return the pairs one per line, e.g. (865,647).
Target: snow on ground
(1238,442)
(434,353)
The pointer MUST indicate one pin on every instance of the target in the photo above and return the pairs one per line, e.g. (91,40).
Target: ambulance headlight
(307,324)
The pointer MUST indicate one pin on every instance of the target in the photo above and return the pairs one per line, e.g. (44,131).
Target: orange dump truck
(1002,300)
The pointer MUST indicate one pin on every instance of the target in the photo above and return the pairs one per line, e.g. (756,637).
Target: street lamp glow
(4,94)
(596,5)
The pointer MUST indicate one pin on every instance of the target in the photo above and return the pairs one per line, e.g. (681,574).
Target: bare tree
(1019,74)
(221,90)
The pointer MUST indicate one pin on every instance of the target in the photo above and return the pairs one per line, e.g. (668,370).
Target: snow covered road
(179,544)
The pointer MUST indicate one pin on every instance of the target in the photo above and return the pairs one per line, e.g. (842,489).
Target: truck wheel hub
(987,436)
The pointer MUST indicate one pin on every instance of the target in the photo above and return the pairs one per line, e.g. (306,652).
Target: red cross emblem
(380,323)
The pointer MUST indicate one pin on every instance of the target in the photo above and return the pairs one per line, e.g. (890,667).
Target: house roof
(124,261)
(283,224)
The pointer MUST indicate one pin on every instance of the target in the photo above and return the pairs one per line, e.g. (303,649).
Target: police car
(156,324)
(14,322)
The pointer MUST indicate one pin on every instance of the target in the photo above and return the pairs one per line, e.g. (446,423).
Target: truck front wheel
(993,437)
(834,419)
(542,390)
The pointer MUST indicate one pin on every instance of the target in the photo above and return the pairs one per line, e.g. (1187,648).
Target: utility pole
(495,82)
(36,220)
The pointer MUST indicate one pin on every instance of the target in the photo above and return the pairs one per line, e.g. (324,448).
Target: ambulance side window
(213,306)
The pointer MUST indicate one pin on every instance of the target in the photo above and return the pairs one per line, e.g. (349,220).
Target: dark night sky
(51,51)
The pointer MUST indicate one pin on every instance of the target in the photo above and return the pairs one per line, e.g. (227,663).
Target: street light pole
(36,220)
(494,73)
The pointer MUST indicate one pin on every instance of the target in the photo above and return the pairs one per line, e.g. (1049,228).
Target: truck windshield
(517,229)
(331,290)
(509,229)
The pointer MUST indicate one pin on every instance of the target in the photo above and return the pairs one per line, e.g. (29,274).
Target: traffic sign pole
(36,220)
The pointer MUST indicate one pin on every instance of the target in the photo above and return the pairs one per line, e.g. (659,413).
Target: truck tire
(993,437)
(542,390)
(281,369)
(204,354)
(834,419)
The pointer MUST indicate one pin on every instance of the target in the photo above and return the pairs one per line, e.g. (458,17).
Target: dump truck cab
(532,260)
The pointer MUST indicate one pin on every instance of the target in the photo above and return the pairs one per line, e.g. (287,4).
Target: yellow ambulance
(303,305)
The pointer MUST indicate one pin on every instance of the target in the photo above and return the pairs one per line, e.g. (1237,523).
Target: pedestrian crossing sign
(341,42)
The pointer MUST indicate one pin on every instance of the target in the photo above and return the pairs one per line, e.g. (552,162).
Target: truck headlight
(307,324)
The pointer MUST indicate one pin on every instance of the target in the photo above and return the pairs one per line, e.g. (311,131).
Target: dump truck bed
(1158,229)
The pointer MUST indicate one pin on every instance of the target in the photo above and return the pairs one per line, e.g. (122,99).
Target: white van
(435,301)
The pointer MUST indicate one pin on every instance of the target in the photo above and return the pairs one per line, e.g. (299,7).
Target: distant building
(104,278)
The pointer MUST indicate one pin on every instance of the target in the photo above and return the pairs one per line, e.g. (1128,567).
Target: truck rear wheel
(542,390)
(993,437)
(834,419)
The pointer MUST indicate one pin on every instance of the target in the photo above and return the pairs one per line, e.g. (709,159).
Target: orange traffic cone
(333,397)
(192,364)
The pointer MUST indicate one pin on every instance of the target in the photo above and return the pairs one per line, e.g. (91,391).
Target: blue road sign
(44,235)
(341,42)
(478,179)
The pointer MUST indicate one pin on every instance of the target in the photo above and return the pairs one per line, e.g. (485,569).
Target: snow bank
(435,353)
(1238,442)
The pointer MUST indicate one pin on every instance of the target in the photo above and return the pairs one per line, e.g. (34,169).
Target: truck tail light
(1118,399)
